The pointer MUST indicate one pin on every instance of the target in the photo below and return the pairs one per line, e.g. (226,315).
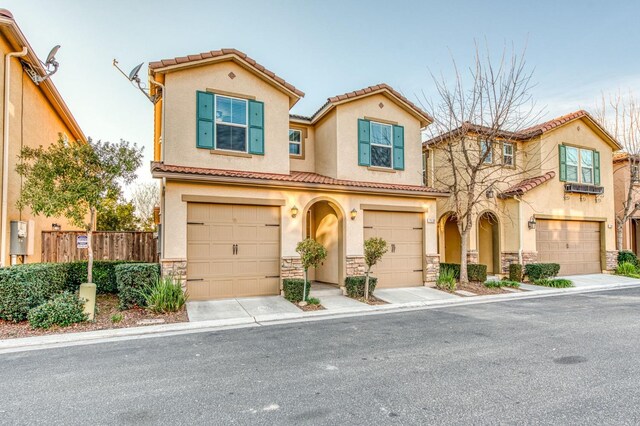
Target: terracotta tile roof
(372,89)
(222,52)
(527,185)
(555,122)
(299,117)
(478,129)
(297,177)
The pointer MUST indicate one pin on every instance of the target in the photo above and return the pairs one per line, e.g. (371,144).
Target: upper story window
(425,168)
(508,154)
(381,145)
(231,123)
(486,152)
(295,143)
(579,165)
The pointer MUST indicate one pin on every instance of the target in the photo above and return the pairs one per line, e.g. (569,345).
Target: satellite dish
(133,75)
(51,57)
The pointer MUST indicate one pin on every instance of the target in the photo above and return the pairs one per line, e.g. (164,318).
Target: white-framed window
(579,165)
(381,145)
(507,154)
(231,123)
(295,143)
(486,152)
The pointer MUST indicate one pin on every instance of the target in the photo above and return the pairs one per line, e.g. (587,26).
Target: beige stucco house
(553,202)
(626,181)
(243,181)
(32,114)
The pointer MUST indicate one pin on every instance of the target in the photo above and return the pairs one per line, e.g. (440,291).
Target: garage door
(232,251)
(401,266)
(575,245)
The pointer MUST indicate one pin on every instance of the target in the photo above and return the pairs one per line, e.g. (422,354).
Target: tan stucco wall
(180,120)
(32,122)
(347,140)
(326,156)
(308,162)
(291,228)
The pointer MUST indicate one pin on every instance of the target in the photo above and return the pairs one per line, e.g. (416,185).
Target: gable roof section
(17,39)
(527,185)
(382,88)
(159,169)
(531,132)
(213,56)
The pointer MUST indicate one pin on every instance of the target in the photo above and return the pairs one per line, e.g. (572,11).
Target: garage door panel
(214,269)
(575,245)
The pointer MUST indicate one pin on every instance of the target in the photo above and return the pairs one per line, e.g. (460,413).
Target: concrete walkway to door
(246,307)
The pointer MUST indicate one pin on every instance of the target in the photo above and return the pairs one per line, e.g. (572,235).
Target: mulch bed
(372,300)
(477,288)
(311,308)
(107,306)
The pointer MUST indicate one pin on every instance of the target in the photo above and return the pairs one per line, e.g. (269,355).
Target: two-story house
(626,181)
(33,114)
(243,181)
(554,201)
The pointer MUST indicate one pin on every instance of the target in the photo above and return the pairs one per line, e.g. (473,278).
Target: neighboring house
(244,181)
(555,202)
(32,115)
(626,176)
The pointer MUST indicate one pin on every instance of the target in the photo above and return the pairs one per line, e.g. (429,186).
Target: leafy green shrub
(374,249)
(502,283)
(475,271)
(292,288)
(63,310)
(313,301)
(164,295)
(355,285)
(116,318)
(24,287)
(446,279)
(557,282)
(515,272)
(538,271)
(104,275)
(131,279)
(627,269)
(627,256)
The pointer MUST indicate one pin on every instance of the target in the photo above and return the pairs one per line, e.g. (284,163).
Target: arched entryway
(489,242)
(324,222)
(450,240)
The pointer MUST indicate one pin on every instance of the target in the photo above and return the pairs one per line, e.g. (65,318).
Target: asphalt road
(557,360)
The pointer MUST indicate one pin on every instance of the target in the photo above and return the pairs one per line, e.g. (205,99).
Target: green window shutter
(563,162)
(256,127)
(596,167)
(204,107)
(398,147)
(364,142)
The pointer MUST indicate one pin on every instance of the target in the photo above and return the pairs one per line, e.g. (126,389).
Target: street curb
(89,337)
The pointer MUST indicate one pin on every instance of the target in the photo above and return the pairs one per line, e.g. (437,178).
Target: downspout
(5,151)
(519,229)
(164,180)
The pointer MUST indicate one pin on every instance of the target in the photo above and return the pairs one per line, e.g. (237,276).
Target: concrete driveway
(245,307)
(412,294)
(599,279)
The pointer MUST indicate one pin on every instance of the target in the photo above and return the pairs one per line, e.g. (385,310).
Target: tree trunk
(304,286)
(464,236)
(619,231)
(366,284)
(90,244)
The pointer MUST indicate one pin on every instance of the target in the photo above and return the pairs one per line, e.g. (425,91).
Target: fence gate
(62,246)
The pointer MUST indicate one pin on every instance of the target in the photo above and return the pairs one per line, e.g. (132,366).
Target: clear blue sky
(578,48)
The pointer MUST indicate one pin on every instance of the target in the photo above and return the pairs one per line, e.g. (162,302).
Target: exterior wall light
(490,193)
(354,213)
(532,223)
(294,211)
(56,227)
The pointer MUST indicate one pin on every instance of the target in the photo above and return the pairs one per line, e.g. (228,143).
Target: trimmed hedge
(556,283)
(355,285)
(292,288)
(475,271)
(539,271)
(627,256)
(63,310)
(132,279)
(515,272)
(23,287)
(104,275)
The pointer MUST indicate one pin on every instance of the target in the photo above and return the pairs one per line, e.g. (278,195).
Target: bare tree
(620,115)
(145,198)
(475,114)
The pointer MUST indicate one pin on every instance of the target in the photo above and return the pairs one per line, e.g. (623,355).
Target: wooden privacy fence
(61,246)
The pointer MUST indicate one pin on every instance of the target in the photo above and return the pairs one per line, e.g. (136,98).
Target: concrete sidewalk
(267,316)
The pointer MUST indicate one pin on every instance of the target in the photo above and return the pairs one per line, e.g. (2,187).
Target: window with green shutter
(364,142)
(205,108)
(398,148)
(579,165)
(256,127)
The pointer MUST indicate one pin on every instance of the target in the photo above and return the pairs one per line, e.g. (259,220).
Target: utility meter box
(18,245)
